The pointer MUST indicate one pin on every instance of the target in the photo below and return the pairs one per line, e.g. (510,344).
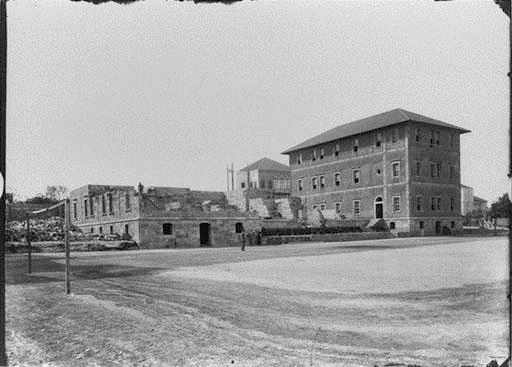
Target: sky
(169,93)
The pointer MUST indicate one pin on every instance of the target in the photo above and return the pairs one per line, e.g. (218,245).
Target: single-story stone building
(160,217)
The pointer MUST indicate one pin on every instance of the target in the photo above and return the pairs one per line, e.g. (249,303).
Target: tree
(40,199)
(502,208)
(56,193)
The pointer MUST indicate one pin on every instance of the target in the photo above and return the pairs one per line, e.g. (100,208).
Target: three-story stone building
(399,166)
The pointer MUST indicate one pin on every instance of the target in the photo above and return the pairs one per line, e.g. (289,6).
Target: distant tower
(230,174)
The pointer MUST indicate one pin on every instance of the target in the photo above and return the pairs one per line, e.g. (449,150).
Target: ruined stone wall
(125,209)
(184,201)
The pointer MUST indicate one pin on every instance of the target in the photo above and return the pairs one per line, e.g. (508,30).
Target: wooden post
(67,226)
(29,244)
(3,102)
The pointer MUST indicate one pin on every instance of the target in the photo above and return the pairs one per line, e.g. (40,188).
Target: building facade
(263,187)
(480,205)
(466,199)
(266,175)
(470,203)
(159,217)
(397,166)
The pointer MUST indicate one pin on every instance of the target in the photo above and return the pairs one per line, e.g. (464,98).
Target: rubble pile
(52,229)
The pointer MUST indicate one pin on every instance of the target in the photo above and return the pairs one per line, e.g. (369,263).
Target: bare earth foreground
(423,301)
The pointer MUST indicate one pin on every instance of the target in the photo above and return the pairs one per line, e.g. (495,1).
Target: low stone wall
(58,246)
(328,237)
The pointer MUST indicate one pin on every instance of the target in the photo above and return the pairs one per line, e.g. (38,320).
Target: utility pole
(232,177)
(29,244)
(227,177)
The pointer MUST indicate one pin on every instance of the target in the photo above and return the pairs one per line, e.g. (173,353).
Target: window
(167,228)
(322,182)
(242,185)
(75,213)
(452,204)
(378,139)
(91,202)
(378,171)
(270,184)
(392,225)
(431,138)
(422,225)
(299,158)
(101,230)
(438,172)
(239,227)
(111,229)
(434,169)
(337,150)
(356,145)
(314,155)
(337,179)
(452,172)
(126,229)
(103,206)
(322,206)
(396,169)
(337,208)
(418,135)
(436,203)
(86,207)
(452,140)
(92,229)
(262,184)
(394,136)
(322,153)
(396,204)
(356,176)
(314,183)
(356,206)
(299,185)
(110,204)
(418,169)
(419,203)
(438,137)
(452,224)
(127,201)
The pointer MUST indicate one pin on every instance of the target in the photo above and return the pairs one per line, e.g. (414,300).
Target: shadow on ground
(50,269)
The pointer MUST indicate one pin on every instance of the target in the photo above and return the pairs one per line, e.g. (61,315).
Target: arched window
(391,225)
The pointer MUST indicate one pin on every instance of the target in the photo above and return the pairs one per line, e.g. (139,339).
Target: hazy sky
(168,93)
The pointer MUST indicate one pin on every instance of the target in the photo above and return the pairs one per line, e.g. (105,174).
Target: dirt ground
(422,301)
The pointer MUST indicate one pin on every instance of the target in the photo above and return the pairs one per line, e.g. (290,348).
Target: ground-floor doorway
(379,208)
(204,234)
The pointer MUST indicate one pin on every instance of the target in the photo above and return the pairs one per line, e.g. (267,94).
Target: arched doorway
(204,234)
(379,208)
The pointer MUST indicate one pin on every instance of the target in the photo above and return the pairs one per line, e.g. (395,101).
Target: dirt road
(220,307)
